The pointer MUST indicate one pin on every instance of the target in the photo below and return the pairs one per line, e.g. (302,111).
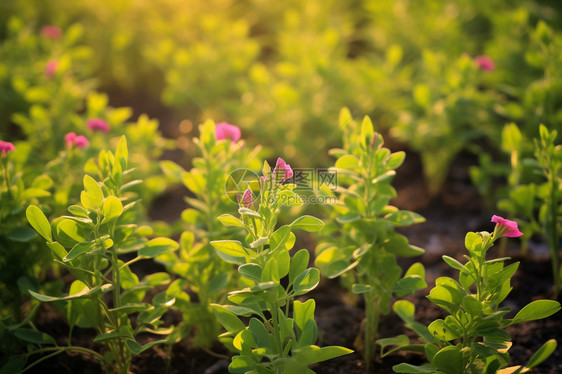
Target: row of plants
(268,323)
(291,66)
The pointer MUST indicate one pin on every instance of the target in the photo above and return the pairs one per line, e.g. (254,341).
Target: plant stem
(372,312)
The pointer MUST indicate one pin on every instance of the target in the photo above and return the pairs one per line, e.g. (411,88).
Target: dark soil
(456,210)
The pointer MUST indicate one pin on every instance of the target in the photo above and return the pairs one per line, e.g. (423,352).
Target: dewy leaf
(92,196)
(308,223)
(112,208)
(158,246)
(536,310)
(39,222)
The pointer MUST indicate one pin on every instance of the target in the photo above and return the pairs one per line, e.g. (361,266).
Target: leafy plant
(224,167)
(280,334)
(88,243)
(362,247)
(472,338)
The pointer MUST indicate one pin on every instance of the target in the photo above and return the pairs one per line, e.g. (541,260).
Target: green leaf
(136,348)
(306,281)
(92,196)
(22,234)
(171,169)
(442,331)
(251,272)
(409,284)
(248,212)
(472,305)
(122,152)
(113,335)
(403,218)
(84,293)
(542,354)
(241,365)
(299,263)
(303,312)
(453,262)
(312,354)
(158,246)
(448,360)
(230,220)
(396,160)
(258,330)
(308,223)
(112,208)
(280,237)
(79,211)
(361,288)
(33,336)
(39,222)
(536,310)
(78,250)
(228,319)
(412,369)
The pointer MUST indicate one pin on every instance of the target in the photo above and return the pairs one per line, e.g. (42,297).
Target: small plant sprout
(278,333)
(362,247)
(88,243)
(472,338)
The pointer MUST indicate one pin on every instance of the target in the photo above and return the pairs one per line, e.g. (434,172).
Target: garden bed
(449,216)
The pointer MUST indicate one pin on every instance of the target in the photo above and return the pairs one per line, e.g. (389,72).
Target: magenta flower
(225,130)
(79,141)
(506,227)
(51,31)
(247,199)
(6,147)
(282,170)
(485,63)
(51,68)
(97,124)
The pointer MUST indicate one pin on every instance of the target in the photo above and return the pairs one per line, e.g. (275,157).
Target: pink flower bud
(505,227)
(282,170)
(247,199)
(6,147)
(51,31)
(97,124)
(51,68)
(225,130)
(485,63)
(79,141)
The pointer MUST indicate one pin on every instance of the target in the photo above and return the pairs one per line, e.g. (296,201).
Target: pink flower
(51,31)
(247,199)
(225,130)
(485,63)
(51,68)
(97,124)
(79,141)
(506,227)
(6,147)
(282,170)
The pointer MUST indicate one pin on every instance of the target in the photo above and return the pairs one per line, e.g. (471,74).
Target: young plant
(222,153)
(533,188)
(88,243)
(362,247)
(280,333)
(472,338)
